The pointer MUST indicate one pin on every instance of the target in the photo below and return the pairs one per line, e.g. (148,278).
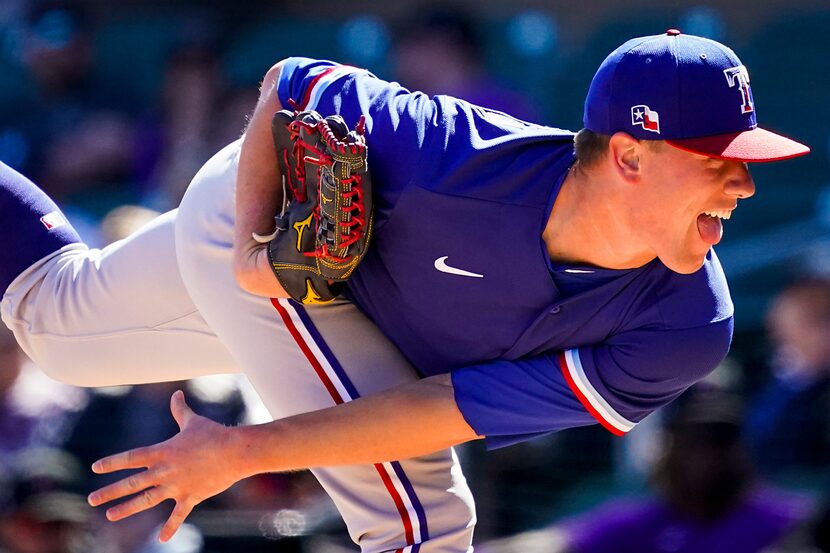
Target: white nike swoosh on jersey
(441,265)
(578,271)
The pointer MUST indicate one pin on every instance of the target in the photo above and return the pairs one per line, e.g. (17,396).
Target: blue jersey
(458,276)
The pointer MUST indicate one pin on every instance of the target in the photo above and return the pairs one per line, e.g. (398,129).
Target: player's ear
(625,153)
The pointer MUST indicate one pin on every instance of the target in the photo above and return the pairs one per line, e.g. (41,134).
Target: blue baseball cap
(690,91)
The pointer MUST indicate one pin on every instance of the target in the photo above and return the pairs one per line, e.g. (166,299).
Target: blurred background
(113,106)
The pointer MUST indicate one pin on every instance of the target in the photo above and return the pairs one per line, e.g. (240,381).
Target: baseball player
(521,280)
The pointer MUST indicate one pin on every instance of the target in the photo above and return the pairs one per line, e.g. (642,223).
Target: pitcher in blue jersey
(522,280)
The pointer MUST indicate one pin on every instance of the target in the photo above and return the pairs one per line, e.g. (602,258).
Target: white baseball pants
(163,305)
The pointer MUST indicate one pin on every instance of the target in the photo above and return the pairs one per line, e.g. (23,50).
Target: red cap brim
(752,146)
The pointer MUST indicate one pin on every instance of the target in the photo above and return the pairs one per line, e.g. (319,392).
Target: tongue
(710,228)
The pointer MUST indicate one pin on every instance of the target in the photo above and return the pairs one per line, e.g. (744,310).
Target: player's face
(685,199)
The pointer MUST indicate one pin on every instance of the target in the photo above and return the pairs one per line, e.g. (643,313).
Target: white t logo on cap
(740,76)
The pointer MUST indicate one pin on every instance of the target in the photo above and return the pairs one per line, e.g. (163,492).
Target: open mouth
(710,225)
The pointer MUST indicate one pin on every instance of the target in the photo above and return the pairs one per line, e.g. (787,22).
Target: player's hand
(195,464)
(253,271)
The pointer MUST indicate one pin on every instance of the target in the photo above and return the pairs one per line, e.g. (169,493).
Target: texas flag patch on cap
(53,220)
(648,119)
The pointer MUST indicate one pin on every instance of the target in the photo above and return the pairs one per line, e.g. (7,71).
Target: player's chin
(686,263)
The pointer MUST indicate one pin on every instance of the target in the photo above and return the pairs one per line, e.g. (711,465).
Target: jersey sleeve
(398,122)
(615,384)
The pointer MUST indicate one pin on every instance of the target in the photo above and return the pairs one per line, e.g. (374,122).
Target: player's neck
(590,224)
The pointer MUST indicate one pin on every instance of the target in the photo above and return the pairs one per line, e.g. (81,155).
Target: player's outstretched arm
(206,458)
(258,197)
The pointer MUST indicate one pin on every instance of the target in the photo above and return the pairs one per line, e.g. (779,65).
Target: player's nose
(739,182)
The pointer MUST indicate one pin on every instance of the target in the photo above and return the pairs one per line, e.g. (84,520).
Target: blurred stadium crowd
(114,113)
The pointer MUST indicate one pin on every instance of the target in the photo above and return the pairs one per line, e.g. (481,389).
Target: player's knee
(35,310)
(56,363)
(66,372)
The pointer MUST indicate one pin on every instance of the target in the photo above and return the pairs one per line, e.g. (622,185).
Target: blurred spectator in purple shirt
(788,424)
(705,500)
(439,52)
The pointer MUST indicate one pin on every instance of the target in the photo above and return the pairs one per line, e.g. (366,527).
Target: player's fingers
(176,519)
(127,486)
(181,411)
(145,500)
(133,459)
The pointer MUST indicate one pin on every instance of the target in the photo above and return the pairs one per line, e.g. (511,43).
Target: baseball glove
(326,221)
